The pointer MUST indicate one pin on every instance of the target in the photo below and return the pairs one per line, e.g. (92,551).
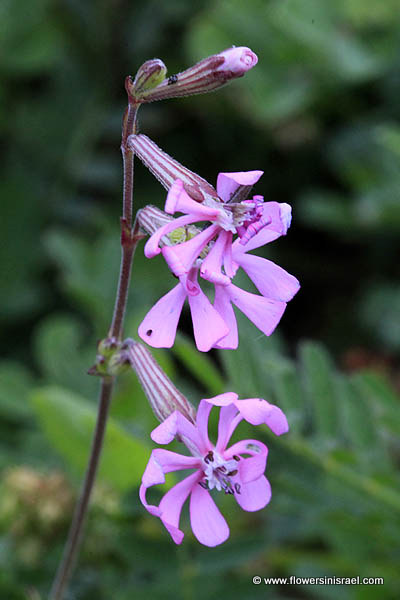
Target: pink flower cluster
(237,470)
(216,255)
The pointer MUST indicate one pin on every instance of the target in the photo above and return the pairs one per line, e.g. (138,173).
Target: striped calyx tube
(166,169)
(151,218)
(164,398)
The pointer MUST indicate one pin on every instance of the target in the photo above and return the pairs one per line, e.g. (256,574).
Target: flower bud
(163,396)
(167,170)
(150,74)
(238,61)
(207,75)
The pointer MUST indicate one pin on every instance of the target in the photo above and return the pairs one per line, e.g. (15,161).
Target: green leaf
(357,422)
(289,395)
(69,421)
(319,380)
(385,403)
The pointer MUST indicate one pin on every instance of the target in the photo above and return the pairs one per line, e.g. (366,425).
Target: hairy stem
(129,241)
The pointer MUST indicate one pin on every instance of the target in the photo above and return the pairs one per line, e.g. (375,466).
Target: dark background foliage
(320,115)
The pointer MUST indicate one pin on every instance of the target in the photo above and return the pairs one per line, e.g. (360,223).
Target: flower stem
(129,236)
(129,240)
(78,520)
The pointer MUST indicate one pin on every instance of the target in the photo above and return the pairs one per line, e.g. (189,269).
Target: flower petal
(211,266)
(249,468)
(203,412)
(174,425)
(271,280)
(279,221)
(257,411)
(179,201)
(286,216)
(208,525)
(254,495)
(163,461)
(226,416)
(180,258)
(167,461)
(158,328)
(223,399)
(265,313)
(223,306)
(229,266)
(151,508)
(208,326)
(152,247)
(171,505)
(228,183)
(226,426)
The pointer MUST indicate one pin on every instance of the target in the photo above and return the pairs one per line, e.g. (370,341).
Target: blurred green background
(320,115)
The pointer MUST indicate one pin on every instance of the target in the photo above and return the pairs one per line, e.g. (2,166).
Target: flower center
(218,473)
(243,217)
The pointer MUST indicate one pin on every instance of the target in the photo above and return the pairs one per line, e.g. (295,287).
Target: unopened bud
(207,75)
(238,61)
(163,396)
(150,75)
(167,170)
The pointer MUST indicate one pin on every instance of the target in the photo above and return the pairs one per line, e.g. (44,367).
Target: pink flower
(237,470)
(217,257)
